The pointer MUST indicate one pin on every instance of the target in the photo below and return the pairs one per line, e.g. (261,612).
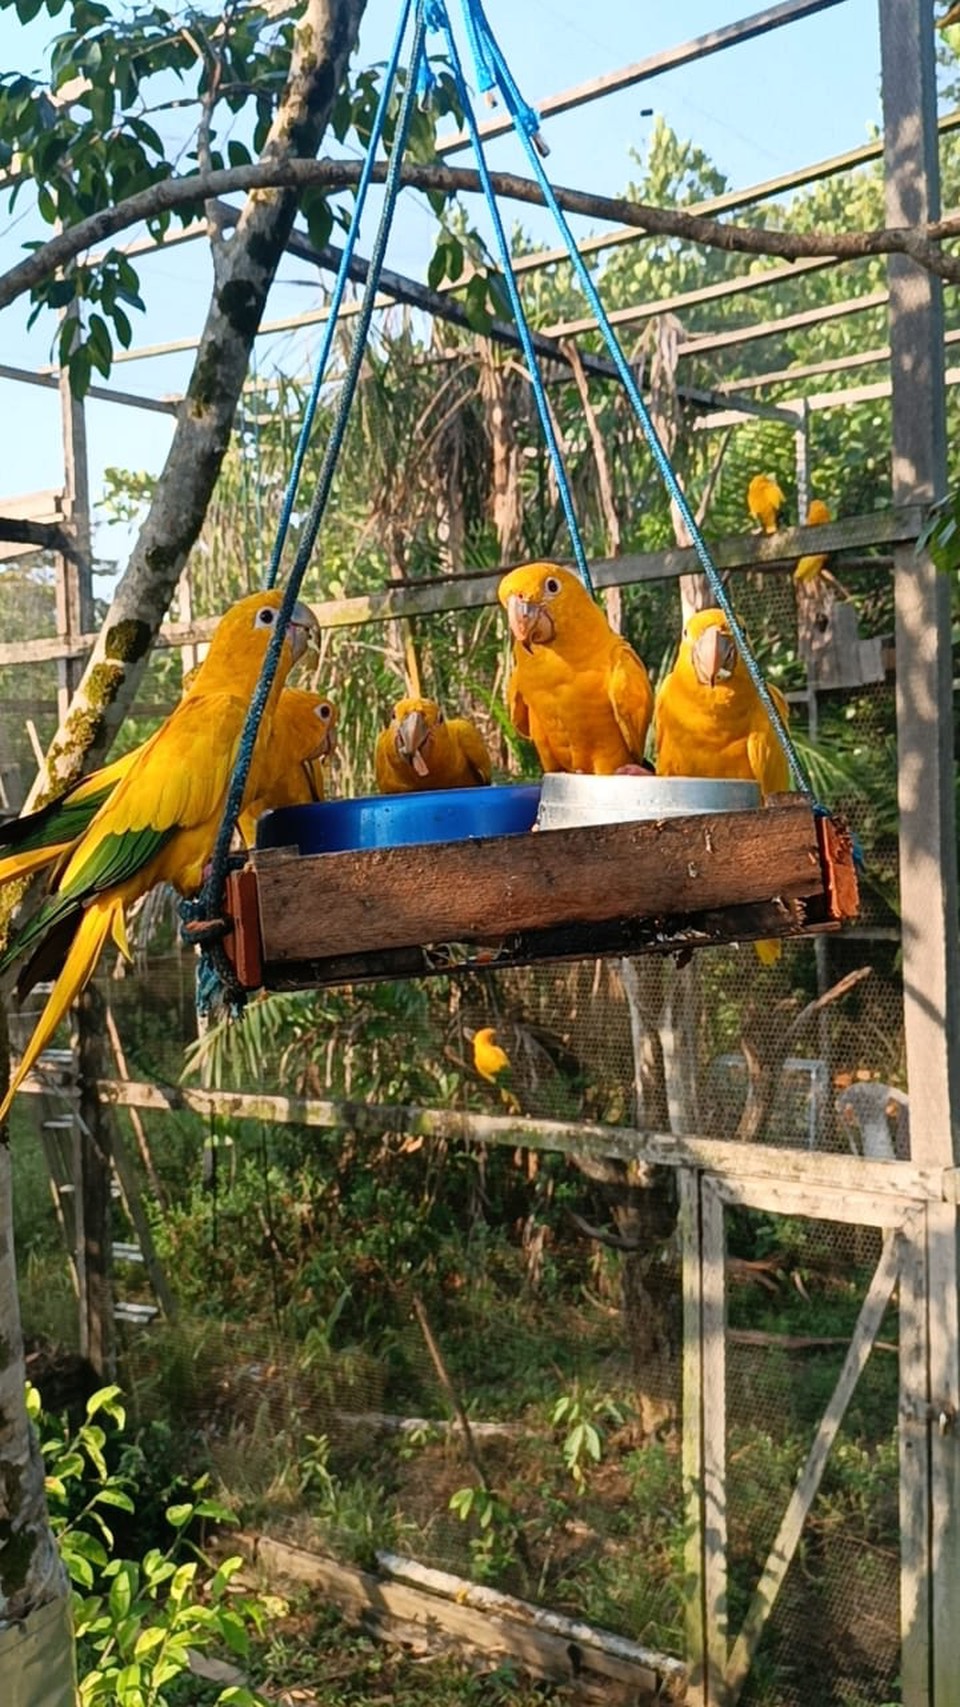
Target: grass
(317,1659)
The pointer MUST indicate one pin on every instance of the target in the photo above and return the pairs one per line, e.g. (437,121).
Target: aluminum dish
(567,802)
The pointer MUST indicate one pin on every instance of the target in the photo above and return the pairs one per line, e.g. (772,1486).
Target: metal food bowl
(401,820)
(567,802)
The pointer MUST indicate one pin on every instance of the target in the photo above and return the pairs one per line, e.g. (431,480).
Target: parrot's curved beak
(326,744)
(530,622)
(303,630)
(714,655)
(413,733)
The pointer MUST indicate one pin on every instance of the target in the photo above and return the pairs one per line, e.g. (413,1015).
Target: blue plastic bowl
(402,820)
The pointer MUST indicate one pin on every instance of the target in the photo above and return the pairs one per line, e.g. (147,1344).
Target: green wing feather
(111,861)
(58,822)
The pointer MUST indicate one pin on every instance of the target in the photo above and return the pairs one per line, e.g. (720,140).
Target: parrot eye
(265,617)
(323,712)
(551,586)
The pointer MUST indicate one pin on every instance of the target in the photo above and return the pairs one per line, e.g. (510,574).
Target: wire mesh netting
(833,1634)
(347,1290)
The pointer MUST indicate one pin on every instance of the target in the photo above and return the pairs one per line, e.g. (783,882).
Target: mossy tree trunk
(33,1590)
(244,266)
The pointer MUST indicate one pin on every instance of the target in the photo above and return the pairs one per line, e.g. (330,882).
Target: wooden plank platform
(611,889)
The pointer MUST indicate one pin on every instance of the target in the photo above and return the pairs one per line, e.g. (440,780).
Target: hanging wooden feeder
(651,886)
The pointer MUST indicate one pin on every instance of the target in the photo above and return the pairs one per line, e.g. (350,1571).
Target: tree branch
(920,242)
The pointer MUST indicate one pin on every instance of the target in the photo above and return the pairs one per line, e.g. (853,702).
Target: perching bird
(289,772)
(811,568)
(493,1064)
(765,501)
(160,822)
(710,721)
(423,749)
(578,690)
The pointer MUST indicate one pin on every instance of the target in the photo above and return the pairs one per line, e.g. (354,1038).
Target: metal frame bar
(669,59)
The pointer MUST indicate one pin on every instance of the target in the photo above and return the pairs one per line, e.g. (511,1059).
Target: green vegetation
(297,1380)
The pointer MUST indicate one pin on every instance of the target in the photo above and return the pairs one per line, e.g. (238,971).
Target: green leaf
(182,1582)
(107,1399)
(437,268)
(112,1495)
(122,1591)
(148,1640)
(234,1633)
(79,367)
(129,1687)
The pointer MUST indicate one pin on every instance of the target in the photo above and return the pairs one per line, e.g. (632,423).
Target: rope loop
(513,291)
(477,25)
(210,899)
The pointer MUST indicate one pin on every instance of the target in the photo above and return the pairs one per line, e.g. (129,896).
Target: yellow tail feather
(103,918)
(32,859)
(769,950)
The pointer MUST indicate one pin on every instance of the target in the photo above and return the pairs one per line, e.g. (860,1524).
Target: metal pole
(926,781)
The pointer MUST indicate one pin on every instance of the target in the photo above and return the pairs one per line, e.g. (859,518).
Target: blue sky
(795,95)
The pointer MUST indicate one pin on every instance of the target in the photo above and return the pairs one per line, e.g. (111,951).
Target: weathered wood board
(602,889)
(596,1665)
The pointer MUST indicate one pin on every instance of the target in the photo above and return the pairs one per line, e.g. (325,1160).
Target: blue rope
(527,123)
(336,297)
(204,908)
(438,19)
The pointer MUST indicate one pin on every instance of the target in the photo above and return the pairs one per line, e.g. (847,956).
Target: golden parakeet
(710,721)
(578,690)
(423,749)
(160,822)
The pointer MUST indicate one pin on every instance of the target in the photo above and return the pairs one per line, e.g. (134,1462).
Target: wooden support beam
(714,1474)
(697,345)
(35,536)
(738,286)
(693,1433)
(49,380)
(926,779)
(914,1460)
(841,1179)
(473,591)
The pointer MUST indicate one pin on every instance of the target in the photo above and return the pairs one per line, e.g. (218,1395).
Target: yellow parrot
(710,721)
(160,822)
(493,1064)
(578,690)
(765,501)
(811,568)
(289,771)
(423,749)
(304,736)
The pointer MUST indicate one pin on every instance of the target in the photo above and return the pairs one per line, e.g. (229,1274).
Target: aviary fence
(681,1369)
